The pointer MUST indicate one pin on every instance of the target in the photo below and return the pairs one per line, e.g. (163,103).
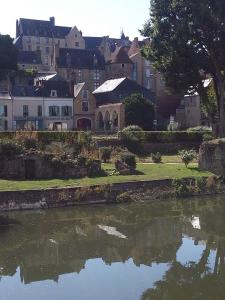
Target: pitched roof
(42,28)
(25,91)
(92,42)
(29,57)
(120,56)
(109,85)
(80,59)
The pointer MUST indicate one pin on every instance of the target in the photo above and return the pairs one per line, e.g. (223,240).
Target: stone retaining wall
(71,196)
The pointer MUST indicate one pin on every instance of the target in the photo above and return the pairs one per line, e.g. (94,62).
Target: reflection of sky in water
(189,252)
(96,282)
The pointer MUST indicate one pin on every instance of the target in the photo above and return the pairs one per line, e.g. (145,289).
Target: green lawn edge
(146,172)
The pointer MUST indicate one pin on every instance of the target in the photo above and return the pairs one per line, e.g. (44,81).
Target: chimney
(52,21)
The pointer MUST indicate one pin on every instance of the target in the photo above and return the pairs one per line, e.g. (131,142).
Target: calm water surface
(140,251)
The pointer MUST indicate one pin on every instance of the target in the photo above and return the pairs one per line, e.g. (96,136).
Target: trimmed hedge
(166,136)
(46,136)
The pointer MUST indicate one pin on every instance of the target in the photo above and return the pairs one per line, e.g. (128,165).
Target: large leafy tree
(8,56)
(187,46)
(139,111)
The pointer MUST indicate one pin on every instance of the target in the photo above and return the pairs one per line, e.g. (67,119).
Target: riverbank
(152,181)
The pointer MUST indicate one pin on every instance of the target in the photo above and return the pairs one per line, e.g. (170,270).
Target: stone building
(5,110)
(46,106)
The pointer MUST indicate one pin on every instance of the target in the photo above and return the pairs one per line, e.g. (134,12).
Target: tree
(187,42)
(139,111)
(8,56)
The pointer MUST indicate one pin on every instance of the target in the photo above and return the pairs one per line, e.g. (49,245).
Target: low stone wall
(212,157)
(71,196)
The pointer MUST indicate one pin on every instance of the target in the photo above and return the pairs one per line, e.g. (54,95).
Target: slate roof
(109,85)
(30,27)
(80,59)
(25,91)
(18,42)
(29,57)
(92,42)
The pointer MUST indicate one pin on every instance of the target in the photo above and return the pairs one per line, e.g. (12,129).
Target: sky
(92,17)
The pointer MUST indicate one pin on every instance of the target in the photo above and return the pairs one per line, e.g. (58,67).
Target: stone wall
(170,148)
(34,167)
(212,157)
(71,196)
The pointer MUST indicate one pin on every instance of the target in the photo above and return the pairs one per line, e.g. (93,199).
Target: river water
(173,250)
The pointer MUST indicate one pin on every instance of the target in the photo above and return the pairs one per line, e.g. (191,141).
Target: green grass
(146,172)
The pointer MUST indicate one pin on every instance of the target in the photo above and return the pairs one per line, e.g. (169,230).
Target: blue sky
(93,17)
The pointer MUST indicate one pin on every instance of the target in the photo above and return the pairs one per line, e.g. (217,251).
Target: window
(47,50)
(54,111)
(5,110)
(96,85)
(66,111)
(25,111)
(46,60)
(85,94)
(53,93)
(47,40)
(59,42)
(38,48)
(79,76)
(29,47)
(147,63)
(39,110)
(75,35)
(96,75)
(77,44)
(38,40)
(29,39)
(123,66)
(85,106)
(148,73)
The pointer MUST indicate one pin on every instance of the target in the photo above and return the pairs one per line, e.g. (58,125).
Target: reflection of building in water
(57,243)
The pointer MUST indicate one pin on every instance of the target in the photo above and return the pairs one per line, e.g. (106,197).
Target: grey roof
(30,27)
(29,57)
(25,91)
(81,59)
(109,85)
(5,95)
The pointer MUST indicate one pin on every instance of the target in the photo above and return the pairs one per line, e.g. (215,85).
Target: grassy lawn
(145,172)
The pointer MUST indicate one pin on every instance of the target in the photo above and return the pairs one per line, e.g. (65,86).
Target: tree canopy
(8,55)
(139,111)
(187,42)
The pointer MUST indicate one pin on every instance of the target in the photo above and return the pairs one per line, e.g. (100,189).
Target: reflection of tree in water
(197,280)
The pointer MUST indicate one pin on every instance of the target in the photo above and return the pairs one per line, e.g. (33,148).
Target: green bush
(181,187)
(29,143)
(187,156)
(129,159)
(132,139)
(94,168)
(81,160)
(156,157)
(208,136)
(10,149)
(105,153)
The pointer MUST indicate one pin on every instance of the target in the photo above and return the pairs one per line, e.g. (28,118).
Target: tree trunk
(221,109)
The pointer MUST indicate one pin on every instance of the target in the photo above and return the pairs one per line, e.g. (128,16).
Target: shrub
(187,156)
(105,153)
(201,184)
(132,128)
(131,138)
(208,136)
(182,189)
(10,149)
(199,128)
(29,143)
(94,168)
(157,157)
(81,160)
(129,159)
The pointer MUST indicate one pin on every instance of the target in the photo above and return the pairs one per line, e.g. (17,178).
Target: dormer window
(122,66)
(77,44)
(53,93)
